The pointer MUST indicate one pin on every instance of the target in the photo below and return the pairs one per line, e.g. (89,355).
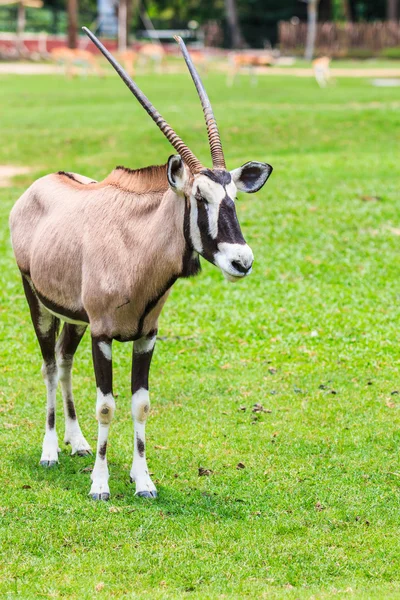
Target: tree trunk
(129,13)
(392,10)
(21,19)
(235,34)
(122,25)
(312,13)
(347,11)
(72,7)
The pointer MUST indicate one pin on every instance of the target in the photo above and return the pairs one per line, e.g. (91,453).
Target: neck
(172,220)
(140,181)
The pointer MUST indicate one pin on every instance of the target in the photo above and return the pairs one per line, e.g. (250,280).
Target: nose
(243,265)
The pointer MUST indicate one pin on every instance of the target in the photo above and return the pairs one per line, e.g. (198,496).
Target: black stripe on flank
(153,303)
(75,315)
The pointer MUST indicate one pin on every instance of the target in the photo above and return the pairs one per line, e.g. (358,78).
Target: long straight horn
(187,155)
(214,139)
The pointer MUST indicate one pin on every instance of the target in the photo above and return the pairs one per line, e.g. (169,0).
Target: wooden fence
(341,39)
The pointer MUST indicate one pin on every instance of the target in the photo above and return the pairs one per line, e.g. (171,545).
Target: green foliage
(391,52)
(312,334)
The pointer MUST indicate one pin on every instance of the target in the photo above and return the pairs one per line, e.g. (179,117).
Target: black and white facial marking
(214,229)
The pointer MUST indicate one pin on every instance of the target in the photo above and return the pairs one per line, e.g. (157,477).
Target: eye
(200,199)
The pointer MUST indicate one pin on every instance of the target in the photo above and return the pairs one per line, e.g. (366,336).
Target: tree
(312,14)
(347,11)
(72,9)
(122,25)
(392,10)
(235,34)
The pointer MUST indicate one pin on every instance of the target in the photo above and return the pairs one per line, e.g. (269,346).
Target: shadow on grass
(72,475)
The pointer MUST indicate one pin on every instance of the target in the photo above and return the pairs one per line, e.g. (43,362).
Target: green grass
(315,512)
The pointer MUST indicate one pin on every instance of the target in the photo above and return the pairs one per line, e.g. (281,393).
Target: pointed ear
(251,176)
(176,172)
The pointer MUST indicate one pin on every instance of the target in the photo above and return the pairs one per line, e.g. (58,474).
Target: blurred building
(107,17)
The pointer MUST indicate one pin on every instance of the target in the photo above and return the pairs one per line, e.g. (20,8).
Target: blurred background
(354,29)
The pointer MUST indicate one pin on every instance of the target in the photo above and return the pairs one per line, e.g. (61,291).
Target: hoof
(83,453)
(147,494)
(102,496)
(48,463)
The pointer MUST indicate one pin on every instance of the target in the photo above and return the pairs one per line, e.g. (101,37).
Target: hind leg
(66,347)
(46,327)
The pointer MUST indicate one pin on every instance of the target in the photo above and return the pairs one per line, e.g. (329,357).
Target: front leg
(105,408)
(142,353)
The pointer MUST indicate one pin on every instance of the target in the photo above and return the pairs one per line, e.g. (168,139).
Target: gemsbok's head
(213,227)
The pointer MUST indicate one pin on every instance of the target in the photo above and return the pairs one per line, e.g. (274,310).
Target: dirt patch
(17,68)
(21,68)
(7,172)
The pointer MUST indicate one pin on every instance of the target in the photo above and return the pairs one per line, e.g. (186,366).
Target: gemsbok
(106,254)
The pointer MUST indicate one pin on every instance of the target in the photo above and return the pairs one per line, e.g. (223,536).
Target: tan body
(95,248)
(128,59)
(249,60)
(73,58)
(321,68)
(151,53)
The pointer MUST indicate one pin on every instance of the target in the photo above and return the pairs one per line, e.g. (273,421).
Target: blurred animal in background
(250,60)
(152,54)
(321,67)
(76,61)
(201,59)
(128,60)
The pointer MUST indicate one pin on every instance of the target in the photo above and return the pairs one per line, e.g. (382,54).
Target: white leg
(139,471)
(73,434)
(105,408)
(50,447)
(65,349)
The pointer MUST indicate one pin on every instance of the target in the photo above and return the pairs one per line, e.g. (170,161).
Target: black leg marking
(102,365)
(66,347)
(51,418)
(140,446)
(46,328)
(141,366)
(140,408)
(46,337)
(140,371)
(101,350)
(71,412)
(103,450)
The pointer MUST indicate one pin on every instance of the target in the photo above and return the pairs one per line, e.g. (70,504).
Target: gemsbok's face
(214,228)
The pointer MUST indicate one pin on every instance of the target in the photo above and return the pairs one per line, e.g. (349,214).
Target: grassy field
(312,335)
